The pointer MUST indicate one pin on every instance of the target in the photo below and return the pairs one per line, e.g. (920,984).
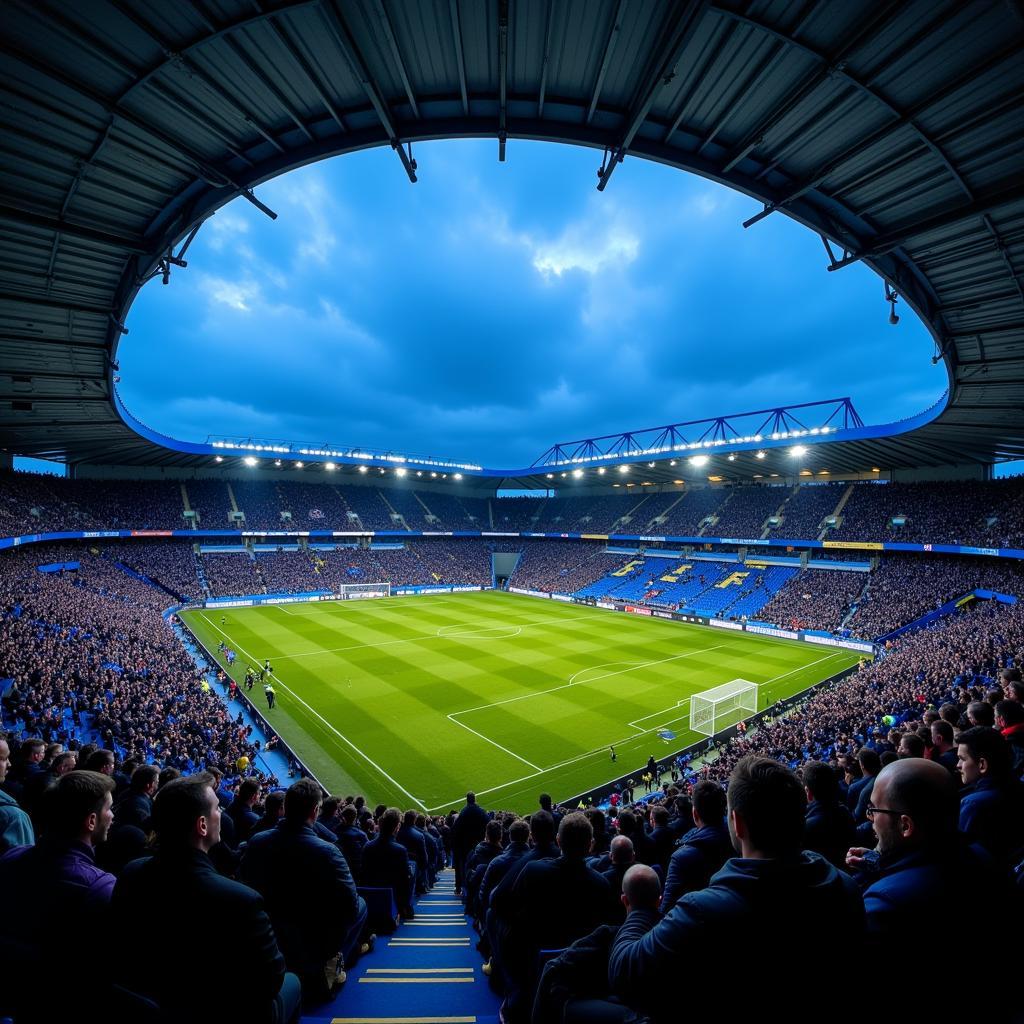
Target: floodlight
(218,458)
(600,470)
(699,460)
(550,476)
(328,465)
(623,469)
(277,462)
(362,469)
(419,472)
(249,460)
(433,476)
(299,465)
(458,476)
(577,473)
(761,455)
(732,458)
(798,451)
(400,471)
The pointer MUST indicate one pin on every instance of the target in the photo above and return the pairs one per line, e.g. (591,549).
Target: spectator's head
(5,758)
(913,804)
(983,754)
(950,713)
(1008,714)
(659,816)
(331,807)
(766,808)
(627,822)
(409,819)
(869,761)
(348,815)
(993,695)
(492,832)
(575,836)
(1007,676)
(389,822)
(78,806)
(248,791)
(911,745)
(273,805)
(980,712)
(820,782)
(145,779)
(942,736)
(641,888)
(302,802)
(64,763)
(32,750)
(1015,691)
(100,761)
(519,831)
(888,757)
(542,828)
(470,797)
(169,774)
(186,813)
(621,850)
(545,802)
(708,803)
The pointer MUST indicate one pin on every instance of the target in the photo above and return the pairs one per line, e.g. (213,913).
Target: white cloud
(588,247)
(240,296)
(312,200)
(224,227)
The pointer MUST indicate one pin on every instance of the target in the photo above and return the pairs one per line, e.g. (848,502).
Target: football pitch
(414,700)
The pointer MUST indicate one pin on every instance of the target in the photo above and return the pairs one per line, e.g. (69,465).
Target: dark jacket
(244,820)
(663,841)
(829,830)
(703,852)
(311,898)
(497,869)
(992,814)
(764,901)
(15,825)
(854,790)
(135,809)
(386,866)
(468,829)
(352,840)
(160,900)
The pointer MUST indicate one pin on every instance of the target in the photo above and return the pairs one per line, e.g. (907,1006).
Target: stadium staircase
(838,510)
(662,516)
(186,507)
(426,972)
(779,513)
(717,514)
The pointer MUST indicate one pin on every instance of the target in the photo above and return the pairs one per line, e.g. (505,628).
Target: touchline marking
(313,711)
(603,749)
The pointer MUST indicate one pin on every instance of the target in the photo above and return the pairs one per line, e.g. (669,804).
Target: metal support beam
(502,77)
(660,71)
(343,38)
(899,236)
(602,70)
(26,218)
(453,10)
(396,56)
(542,91)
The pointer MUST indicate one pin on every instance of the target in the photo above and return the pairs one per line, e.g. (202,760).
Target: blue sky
(491,310)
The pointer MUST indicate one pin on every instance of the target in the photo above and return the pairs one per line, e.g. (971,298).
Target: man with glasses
(920,865)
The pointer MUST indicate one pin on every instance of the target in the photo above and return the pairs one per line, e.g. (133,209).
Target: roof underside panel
(892,128)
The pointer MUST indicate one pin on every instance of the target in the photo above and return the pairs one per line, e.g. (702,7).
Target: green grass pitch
(413,700)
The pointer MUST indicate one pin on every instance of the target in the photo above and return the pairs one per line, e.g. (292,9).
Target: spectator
(921,865)
(771,882)
(136,806)
(467,831)
(518,847)
(352,840)
(15,825)
(911,745)
(1010,722)
(622,857)
(662,839)
(703,850)
(273,812)
(241,812)
(943,747)
(179,888)
(318,916)
(415,844)
(386,864)
(554,903)
(828,825)
(991,804)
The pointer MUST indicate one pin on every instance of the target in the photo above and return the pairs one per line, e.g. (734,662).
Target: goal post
(718,708)
(363,591)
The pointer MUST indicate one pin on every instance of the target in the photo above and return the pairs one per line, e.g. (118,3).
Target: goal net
(363,591)
(718,708)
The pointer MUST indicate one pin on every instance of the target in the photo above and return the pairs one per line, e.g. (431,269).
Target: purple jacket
(53,880)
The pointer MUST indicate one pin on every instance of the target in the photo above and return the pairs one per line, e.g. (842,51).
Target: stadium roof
(892,129)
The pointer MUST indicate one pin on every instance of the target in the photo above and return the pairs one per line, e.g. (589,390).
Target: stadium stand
(746,510)
(804,513)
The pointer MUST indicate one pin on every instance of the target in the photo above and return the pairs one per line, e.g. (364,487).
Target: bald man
(922,865)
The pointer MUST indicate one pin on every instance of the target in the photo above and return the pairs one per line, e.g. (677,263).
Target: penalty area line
(317,714)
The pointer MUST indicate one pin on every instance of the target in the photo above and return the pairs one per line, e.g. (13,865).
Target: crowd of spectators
(229,573)
(815,599)
(746,512)
(805,511)
(561,567)
(170,563)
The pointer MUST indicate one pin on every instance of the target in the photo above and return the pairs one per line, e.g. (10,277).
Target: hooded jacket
(700,854)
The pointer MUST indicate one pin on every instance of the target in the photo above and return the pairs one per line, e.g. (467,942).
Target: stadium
(715,688)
